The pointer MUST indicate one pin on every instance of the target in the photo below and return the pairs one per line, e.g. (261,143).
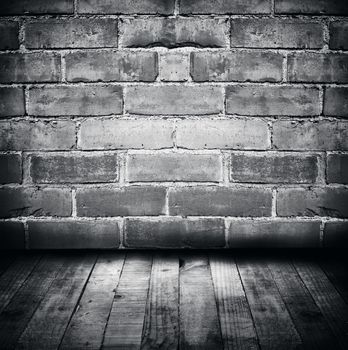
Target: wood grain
(237,327)
(161,330)
(199,323)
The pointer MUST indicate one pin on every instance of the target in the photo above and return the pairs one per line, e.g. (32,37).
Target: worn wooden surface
(173,300)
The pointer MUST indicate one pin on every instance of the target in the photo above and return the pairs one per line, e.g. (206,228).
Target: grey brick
(77,234)
(274,234)
(220,201)
(128,201)
(236,66)
(74,168)
(174,233)
(26,201)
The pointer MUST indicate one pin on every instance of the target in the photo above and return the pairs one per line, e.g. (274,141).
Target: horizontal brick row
(245,167)
(172,233)
(259,100)
(325,7)
(243,134)
(174,32)
(183,201)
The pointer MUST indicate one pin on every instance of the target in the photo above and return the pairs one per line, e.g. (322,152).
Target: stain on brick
(32,201)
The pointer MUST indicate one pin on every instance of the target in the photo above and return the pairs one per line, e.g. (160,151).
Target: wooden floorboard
(307,318)
(161,328)
(172,300)
(87,326)
(237,327)
(329,301)
(16,315)
(126,321)
(199,323)
(273,322)
(14,276)
(46,328)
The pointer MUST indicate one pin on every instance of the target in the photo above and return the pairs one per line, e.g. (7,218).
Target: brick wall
(200,124)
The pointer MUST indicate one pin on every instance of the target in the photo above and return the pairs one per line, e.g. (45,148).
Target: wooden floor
(173,300)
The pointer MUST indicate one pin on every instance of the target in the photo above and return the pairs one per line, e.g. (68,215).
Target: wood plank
(308,319)
(337,272)
(46,328)
(22,306)
(125,324)
(329,301)
(87,326)
(6,259)
(161,330)
(273,323)
(237,327)
(199,323)
(15,275)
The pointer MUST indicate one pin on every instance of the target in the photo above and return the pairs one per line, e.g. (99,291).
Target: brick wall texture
(173,124)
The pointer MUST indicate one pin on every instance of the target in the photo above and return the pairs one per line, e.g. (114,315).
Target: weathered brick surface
(174,167)
(171,32)
(32,67)
(337,168)
(272,100)
(339,35)
(9,35)
(126,134)
(326,7)
(236,66)
(71,33)
(11,101)
(12,235)
(274,234)
(174,66)
(100,234)
(220,201)
(75,100)
(274,168)
(174,100)
(222,134)
(25,201)
(174,233)
(223,6)
(315,201)
(336,235)
(197,121)
(25,135)
(163,7)
(336,101)
(276,33)
(317,67)
(128,201)
(74,168)
(111,66)
(310,135)
(23,7)
(10,168)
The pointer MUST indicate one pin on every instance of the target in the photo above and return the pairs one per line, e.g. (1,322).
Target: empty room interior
(173,174)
